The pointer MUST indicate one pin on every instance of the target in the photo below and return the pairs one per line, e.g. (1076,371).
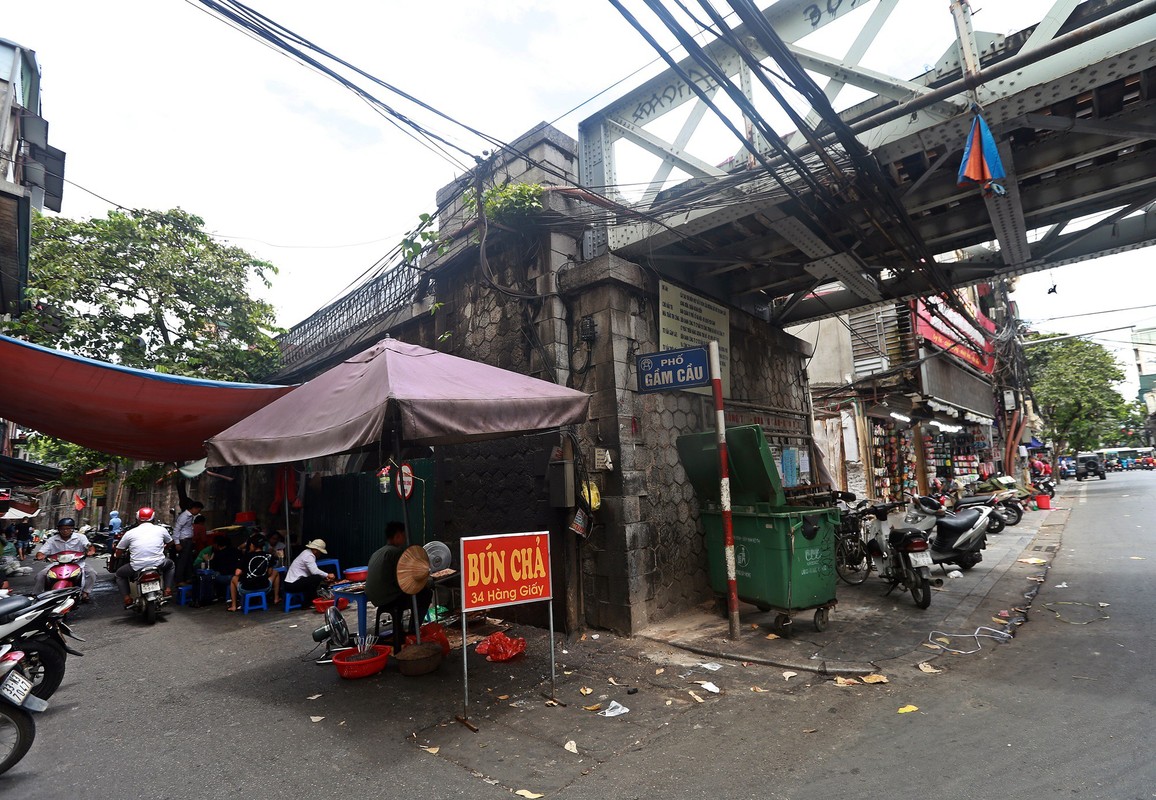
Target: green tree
(1072,381)
(149,289)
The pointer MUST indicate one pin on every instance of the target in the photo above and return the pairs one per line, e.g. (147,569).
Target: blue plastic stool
(294,600)
(253,601)
(184,595)
(330,562)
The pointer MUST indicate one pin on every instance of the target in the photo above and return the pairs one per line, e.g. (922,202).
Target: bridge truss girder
(1074,126)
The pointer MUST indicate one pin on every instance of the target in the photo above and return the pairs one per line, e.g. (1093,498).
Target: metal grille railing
(371,301)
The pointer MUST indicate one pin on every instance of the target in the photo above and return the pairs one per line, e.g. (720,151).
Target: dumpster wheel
(822,617)
(782,625)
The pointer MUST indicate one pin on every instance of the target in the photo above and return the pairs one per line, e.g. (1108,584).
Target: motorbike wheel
(1012,514)
(17,731)
(919,584)
(995,523)
(150,612)
(45,662)
(851,561)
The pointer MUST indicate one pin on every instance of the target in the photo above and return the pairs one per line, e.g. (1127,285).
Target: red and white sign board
(404,484)
(505,570)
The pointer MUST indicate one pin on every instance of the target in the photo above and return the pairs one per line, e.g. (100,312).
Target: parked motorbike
(16,700)
(36,626)
(901,557)
(1007,508)
(1044,485)
(145,588)
(955,538)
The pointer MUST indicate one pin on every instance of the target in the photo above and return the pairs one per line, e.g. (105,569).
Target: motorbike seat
(11,606)
(974,500)
(959,522)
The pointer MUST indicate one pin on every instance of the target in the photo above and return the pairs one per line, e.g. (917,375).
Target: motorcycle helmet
(145,514)
(63,521)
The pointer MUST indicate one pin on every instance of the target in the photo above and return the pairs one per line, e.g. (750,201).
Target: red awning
(117,410)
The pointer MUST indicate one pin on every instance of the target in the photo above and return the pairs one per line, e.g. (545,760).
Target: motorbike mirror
(846,496)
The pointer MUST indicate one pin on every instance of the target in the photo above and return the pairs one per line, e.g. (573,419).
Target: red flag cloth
(78,501)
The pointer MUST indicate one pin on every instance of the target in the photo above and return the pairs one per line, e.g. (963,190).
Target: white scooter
(955,538)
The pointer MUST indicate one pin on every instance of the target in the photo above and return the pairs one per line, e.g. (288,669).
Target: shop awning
(17,472)
(118,410)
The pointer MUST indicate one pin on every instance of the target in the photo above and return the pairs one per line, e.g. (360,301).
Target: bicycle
(852,561)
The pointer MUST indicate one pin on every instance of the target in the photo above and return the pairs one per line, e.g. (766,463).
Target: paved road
(211,705)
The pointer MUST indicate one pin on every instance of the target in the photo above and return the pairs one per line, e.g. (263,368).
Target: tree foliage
(1073,381)
(152,290)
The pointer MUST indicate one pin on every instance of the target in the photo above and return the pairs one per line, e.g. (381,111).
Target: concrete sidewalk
(869,628)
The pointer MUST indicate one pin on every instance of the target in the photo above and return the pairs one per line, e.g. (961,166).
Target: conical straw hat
(413,569)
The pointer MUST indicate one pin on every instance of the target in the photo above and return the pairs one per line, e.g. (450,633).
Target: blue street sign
(673,369)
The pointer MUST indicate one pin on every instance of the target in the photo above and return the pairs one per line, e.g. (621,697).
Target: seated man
(145,545)
(225,562)
(257,573)
(66,541)
(275,546)
(304,575)
(381,587)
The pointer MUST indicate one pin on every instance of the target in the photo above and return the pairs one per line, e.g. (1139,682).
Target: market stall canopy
(438,399)
(118,410)
(15,513)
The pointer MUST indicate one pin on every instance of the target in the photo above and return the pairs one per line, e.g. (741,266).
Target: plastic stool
(294,600)
(253,601)
(184,595)
(330,562)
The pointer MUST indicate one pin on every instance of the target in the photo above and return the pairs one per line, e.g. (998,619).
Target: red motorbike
(67,572)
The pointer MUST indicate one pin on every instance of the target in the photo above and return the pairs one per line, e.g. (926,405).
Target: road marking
(1083,493)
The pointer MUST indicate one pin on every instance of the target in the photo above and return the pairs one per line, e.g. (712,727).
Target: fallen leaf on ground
(312,697)
(316,719)
(876,678)
(1137,558)
(528,794)
(788,675)
(571,745)
(759,689)
(908,709)
(595,707)
(433,751)
(928,668)
(697,699)
(998,621)
(551,702)
(503,697)
(810,730)
(943,639)
(583,638)
(747,663)
(660,670)
(613,682)
(586,690)
(567,672)
(754,626)
(668,702)
(931,646)
(841,681)
(773,636)
(1032,561)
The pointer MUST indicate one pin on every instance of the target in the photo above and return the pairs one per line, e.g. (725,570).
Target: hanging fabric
(981,163)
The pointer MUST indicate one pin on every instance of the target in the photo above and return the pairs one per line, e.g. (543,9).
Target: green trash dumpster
(784,555)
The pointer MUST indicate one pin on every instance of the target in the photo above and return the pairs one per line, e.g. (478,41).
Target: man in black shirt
(255,572)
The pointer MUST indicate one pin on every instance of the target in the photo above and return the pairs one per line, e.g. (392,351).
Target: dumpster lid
(754,477)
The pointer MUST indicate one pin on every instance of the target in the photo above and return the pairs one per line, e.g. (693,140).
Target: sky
(160,104)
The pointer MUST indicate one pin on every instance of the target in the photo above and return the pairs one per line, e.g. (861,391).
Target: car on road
(1088,465)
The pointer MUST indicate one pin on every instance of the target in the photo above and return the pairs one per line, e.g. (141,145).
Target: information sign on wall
(505,570)
(687,320)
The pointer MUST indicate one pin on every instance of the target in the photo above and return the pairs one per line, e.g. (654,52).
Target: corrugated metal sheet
(349,512)
(880,338)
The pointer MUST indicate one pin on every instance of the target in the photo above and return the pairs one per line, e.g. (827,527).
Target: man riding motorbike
(65,540)
(145,545)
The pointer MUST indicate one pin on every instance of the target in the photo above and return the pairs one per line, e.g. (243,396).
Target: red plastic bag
(500,647)
(432,632)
